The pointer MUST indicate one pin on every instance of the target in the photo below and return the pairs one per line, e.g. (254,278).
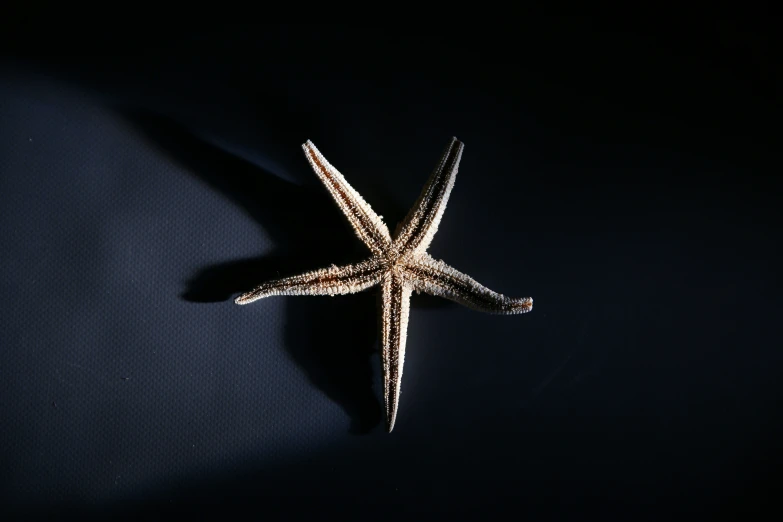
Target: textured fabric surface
(140,195)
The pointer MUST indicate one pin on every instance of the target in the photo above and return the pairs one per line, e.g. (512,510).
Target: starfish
(398,265)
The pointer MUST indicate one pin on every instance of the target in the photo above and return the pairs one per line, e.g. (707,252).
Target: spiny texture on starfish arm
(398,265)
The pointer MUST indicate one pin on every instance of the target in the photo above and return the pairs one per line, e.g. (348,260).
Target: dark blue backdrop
(625,179)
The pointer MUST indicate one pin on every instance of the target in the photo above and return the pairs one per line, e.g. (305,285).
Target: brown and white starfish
(398,265)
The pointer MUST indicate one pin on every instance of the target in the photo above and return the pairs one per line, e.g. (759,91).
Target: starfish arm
(334,280)
(395,305)
(437,278)
(415,233)
(368,225)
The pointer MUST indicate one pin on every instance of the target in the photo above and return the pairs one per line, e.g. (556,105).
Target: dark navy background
(625,178)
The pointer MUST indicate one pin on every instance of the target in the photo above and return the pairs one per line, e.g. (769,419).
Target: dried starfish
(398,265)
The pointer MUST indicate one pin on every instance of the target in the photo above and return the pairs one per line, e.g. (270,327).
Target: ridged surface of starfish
(398,265)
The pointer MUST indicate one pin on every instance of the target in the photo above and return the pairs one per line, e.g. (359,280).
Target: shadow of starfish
(335,362)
